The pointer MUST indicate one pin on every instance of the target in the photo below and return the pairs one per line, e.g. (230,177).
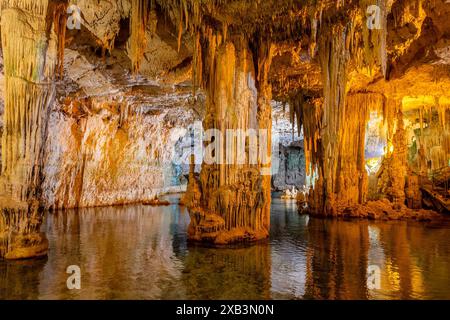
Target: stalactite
(31,48)
(442,114)
(383,36)
(375,39)
(313,41)
(180,27)
(197,68)
(138,26)
(432,140)
(393,172)
(59,23)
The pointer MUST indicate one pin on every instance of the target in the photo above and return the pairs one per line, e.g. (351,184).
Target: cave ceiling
(417,45)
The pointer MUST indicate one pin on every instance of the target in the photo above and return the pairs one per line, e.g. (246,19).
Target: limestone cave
(285,147)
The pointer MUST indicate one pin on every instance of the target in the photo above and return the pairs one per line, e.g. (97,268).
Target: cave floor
(141,252)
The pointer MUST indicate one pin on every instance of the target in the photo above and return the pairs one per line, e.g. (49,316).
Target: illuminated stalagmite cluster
(366,83)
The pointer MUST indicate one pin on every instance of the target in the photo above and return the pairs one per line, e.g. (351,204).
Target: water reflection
(415,261)
(337,259)
(242,273)
(19,280)
(141,252)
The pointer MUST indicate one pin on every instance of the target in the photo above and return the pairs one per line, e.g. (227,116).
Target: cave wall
(288,169)
(104,152)
(115,134)
(111,150)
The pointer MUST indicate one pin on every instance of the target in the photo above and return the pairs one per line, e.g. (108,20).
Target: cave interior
(351,99)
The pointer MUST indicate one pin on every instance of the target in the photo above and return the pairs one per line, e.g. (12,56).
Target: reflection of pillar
(237,273)
(143,266)
(399,265)
(30,49)
(64,231)
(428,254)
(234,187)
(337,265)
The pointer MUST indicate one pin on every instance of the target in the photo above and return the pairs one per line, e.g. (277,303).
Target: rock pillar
(31,51)
(231,201)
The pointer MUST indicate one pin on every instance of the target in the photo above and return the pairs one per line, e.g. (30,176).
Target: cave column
(30,32)
(337,142)
(393,173)
(231,199)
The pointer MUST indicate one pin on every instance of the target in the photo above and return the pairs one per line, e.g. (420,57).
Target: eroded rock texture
(114,151)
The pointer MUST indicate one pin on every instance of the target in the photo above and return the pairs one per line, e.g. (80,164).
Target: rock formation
(95,111)
(30,43)
(234,191)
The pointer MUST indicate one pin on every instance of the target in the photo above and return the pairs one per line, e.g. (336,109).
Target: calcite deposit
(98,98)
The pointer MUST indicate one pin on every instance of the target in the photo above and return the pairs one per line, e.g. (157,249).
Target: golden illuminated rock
(137,74)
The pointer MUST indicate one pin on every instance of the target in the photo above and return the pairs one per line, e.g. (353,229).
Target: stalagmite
(30,50)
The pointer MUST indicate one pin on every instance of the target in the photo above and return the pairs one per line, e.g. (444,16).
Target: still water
(140,252)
